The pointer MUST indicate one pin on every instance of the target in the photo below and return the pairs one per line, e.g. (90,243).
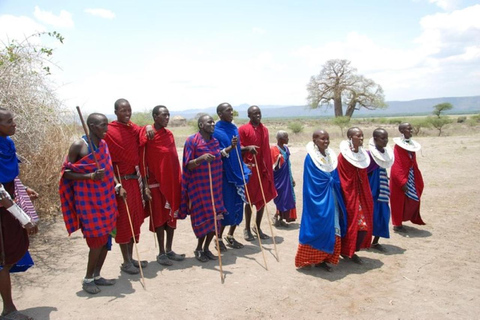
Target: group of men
(346,198)
(119,174)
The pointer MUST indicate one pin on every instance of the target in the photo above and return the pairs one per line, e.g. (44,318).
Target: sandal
(379,247)
(283,224)
(210,255)
(356,259)
(262,235)
(163,260)
(175,257)
(247,235)
(143,262)
(104,282)
(129,268)
(325,266)
(231,242)
(90,287)
(200,256)
(276,221)
(222,246)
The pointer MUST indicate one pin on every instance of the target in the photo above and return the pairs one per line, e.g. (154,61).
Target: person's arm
(226,151)
(77,150)
(192,164)
(17,212)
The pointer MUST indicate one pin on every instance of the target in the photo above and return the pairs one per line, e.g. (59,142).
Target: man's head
(97,125)
(282,137)
(321,138)
(206,124)
(161,116)
(7,123)
(405,129)
(380,137)
(255,115)
(123,111)
(225,112)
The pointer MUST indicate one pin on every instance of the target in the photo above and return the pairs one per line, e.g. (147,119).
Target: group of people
(346,198)
(119,173)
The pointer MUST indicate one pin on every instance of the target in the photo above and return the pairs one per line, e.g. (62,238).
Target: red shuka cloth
(402,207)
(258,136)
(123,142)
(356,192)
(160,158)
(89,205)
(307,255)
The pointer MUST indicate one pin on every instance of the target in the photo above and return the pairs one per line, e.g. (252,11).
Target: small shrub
(418,124)
(461,119)
(296,127)
(341,122)
(439,122)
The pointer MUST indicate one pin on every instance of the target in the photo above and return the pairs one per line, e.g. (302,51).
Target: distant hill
(395,108)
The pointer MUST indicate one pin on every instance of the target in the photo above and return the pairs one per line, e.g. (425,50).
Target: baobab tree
(339,82)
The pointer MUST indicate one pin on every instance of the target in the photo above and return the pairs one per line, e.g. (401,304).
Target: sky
(197,54)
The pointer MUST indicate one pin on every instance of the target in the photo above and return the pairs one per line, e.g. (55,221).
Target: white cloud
(446,5)
(444,62)
(63,20)
(18,28)
(102,13)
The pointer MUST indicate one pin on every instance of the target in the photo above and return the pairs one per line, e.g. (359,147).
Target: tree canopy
(339,82)
(439,108)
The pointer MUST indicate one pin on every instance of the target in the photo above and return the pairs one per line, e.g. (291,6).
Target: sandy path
(431,274)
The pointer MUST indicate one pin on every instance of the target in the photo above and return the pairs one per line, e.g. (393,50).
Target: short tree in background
(441,107)
(341,122)
(440,121)
(338,82)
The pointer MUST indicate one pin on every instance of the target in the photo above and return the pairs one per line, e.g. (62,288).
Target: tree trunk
(349,111)
(337,104)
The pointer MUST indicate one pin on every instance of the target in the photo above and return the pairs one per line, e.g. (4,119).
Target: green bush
(341,122)
(296,127)
(418,124)
(439,122)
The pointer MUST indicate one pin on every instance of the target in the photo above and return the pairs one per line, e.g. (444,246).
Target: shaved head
(222,106)
(318,132)
(402,126)
(352,131)
(379,131)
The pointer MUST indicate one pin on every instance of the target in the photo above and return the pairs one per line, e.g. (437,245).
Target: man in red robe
(352,170)
(123,141)
(256,146)
(161,168)
(87,194)
(406,181)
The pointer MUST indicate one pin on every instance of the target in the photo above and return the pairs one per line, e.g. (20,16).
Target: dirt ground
(433,273)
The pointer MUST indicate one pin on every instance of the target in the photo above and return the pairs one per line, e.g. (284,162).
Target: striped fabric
(411,189)
(23,200)
(196,198)
(384,195)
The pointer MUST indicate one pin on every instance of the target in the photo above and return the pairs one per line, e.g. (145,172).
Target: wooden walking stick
(251,207)
(268,215)
(133,232)
(90,144)
(215,221)
(149,202)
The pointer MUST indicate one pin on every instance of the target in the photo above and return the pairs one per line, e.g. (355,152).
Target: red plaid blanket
(87,204)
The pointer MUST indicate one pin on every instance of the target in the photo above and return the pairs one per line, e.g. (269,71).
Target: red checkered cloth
(164,173)
(307,255)
(258,136)
(359,203)
(123,143)
(196,199)
(87,204)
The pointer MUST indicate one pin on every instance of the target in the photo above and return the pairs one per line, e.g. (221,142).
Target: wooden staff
(266,207)
(133,232)
(90,144)
(215,221)
(251,206)
(149,202)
